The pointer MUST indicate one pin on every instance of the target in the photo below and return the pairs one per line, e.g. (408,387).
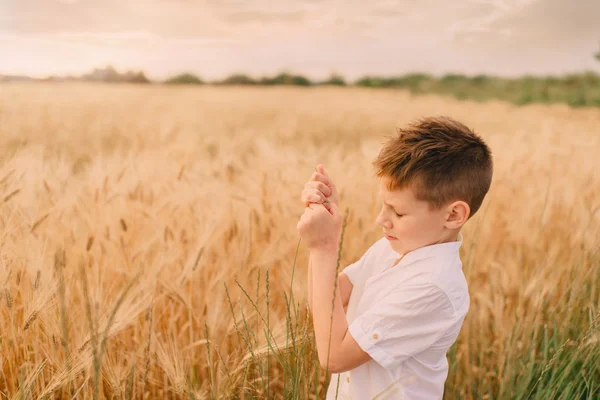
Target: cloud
(357,37)
(30,17)
(532,23)
(246,17)
(470,28)
(136,37)
(553,21)
(134,40)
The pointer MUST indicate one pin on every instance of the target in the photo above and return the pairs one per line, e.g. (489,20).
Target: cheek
(399,229)
(406,226)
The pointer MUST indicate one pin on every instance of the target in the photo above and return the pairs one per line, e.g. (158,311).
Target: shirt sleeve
(353,269)
(404,323)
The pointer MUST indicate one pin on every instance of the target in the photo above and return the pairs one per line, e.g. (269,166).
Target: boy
(407,296)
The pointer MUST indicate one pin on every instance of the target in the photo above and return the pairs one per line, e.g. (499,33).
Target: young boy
(407,296)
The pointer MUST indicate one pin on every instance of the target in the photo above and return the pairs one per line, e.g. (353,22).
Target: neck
(451,236)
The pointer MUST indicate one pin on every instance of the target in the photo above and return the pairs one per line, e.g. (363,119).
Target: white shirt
(406,318)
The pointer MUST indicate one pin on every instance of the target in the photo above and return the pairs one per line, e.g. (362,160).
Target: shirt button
(375,336)
(348,379)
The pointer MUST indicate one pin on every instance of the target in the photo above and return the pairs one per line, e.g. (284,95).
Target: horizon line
(291,72)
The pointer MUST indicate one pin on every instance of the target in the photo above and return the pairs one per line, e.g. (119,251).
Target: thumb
(334,208)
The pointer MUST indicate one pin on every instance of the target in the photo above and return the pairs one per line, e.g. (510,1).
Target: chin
(394,244)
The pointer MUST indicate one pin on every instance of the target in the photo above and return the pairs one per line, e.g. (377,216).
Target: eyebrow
(391,205)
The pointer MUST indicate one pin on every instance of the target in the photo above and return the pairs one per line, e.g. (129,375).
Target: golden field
(129,210)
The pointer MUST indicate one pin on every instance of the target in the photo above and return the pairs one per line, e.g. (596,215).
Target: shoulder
(422,298)
(435,281)
(378,249)
(381,247)
(448,277)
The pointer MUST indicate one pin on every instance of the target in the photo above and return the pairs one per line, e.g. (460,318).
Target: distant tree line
(108,74)
(241,79)
(581,89)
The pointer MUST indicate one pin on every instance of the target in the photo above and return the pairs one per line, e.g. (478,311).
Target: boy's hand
(320,190)
(320,228)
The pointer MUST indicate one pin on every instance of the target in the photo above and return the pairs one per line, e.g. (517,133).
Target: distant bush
(480,80)
(450,78)
(370,81)
(185,79)
(237,79)
(109,74)
(409,81)
(334,80)
(286,79)
(281,79)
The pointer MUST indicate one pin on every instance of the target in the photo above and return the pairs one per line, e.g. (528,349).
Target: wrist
(324,251)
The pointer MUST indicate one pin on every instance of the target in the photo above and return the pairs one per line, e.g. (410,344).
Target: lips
(389,237)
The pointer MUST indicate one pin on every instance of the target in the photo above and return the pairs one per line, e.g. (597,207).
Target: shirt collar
(429,251)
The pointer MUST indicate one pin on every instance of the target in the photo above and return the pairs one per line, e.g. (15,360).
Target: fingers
(319,177)
(320,186)
(315,207)
(318,189)
(325,204)
(321,169)
(311,195)
(322,176)
(311,198)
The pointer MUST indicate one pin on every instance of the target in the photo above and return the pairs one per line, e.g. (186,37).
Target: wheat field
(149,243)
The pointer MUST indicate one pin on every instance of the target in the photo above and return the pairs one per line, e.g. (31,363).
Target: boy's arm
(310,306)
(326,319)
(344,285)
(336,348)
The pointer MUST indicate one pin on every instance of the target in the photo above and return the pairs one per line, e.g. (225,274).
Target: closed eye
(398,215)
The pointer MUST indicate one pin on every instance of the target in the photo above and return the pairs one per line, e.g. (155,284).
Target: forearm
(310,304)
(327,319)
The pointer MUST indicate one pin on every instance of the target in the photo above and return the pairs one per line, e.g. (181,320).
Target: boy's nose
(382,222)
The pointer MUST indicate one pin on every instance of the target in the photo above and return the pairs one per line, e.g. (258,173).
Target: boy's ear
(458,214)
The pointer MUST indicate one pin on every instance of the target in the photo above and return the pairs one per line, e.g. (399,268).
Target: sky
(315,38)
